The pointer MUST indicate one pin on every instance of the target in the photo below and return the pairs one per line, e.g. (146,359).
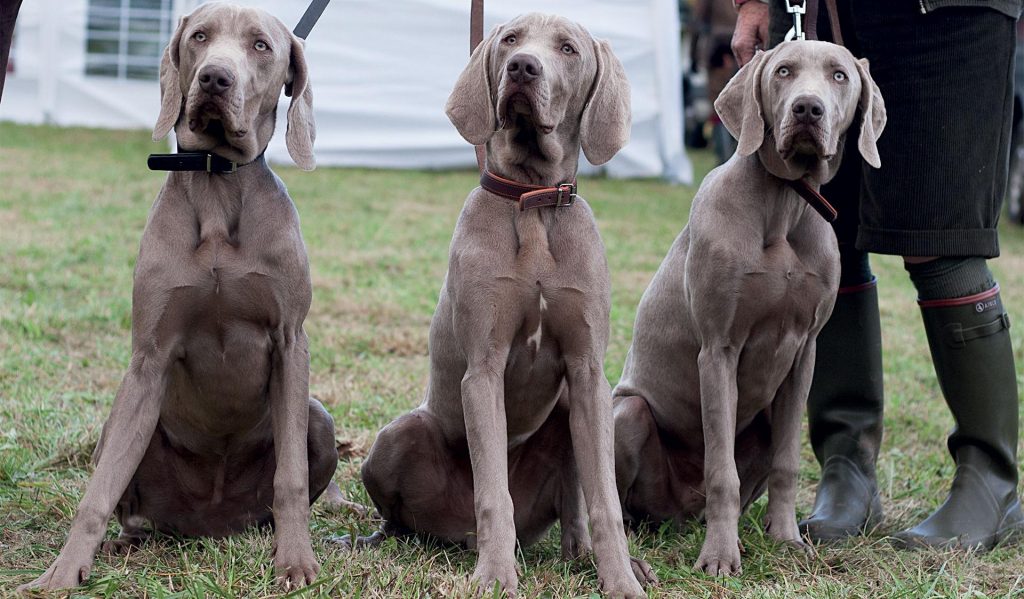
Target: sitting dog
(709,407)
(517,406)
(213,429)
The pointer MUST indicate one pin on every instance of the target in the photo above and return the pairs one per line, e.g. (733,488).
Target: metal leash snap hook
(796,32)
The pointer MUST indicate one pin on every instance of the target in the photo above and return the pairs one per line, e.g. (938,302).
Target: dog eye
(783,72)
(510,39)
(199,36)
(568,49)
(261,46)
(839,76)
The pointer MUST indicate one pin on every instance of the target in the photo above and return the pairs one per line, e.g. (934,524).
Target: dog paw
(353,543)
(295,566)
(116,547)
(719,559)
(783,529)
(487,578)
(643,572)
(343,541)
(64,573)
(797,546)
(627,588)
(576,546)
(120,545)
(333,500)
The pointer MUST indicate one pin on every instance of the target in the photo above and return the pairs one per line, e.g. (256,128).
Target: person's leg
(968,334)
(844,407)
(938,193)
(944,168)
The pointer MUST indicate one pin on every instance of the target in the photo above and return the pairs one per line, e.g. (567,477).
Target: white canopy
(381,73)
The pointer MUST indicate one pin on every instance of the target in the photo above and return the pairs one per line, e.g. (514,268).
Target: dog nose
(524,68)
(808,109)
(215,80)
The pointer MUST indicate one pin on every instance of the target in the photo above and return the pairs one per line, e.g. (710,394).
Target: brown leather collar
(815,199)
(529,196)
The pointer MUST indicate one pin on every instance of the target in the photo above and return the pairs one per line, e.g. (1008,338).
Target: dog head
(549,87)
(221,77)
(793,104)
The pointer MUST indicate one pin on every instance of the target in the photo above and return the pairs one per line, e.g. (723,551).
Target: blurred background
(381,73)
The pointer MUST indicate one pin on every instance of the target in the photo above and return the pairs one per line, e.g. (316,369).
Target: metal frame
(123,60)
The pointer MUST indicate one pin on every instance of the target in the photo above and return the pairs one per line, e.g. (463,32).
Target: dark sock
(854,267)
(947,278)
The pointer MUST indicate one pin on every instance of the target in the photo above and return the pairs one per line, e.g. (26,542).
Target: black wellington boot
(970,346)
(844,411)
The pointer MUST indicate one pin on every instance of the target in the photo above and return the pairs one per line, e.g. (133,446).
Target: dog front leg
(593,439)
(787,416)
(294,562)
(720,554)
(487,435)
(126,435)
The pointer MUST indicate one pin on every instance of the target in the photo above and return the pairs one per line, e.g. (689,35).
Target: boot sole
(1004,538)
(818,533)
(1011,533)
(824,533)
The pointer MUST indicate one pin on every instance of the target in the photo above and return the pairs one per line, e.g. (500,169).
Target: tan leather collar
(529,196)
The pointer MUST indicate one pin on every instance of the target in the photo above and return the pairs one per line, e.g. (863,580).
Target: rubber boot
(844,411)
(970,345)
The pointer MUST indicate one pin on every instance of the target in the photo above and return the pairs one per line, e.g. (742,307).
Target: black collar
(191,161)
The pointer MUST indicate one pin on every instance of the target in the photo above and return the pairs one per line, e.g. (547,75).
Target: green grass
(73,204)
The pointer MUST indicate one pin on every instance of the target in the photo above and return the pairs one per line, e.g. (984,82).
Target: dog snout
(523,68)
(215,80)
(808,109)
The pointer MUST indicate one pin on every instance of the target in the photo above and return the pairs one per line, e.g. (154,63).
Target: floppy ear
(606,119)
(170,87)
(470,106)
(301,126)
(739,105)
(872,111)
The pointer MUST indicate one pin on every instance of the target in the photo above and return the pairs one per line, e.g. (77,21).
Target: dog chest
(783,286)
(235,284)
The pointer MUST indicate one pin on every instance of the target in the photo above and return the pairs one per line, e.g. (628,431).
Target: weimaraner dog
(517,405)
(708,411)
(213,429)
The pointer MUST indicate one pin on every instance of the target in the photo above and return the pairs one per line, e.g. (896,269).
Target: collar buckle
(566,195)
(219,169)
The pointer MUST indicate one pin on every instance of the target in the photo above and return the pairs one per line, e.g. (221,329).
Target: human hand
(751,30)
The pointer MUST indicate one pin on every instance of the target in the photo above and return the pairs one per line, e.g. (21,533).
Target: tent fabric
(381,73)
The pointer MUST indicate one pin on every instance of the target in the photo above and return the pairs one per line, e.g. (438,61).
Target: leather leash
(833,19)
(476,35)
(525,195)
(815,199)
(214,163)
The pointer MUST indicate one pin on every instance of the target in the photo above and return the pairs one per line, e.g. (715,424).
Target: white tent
(381,73)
